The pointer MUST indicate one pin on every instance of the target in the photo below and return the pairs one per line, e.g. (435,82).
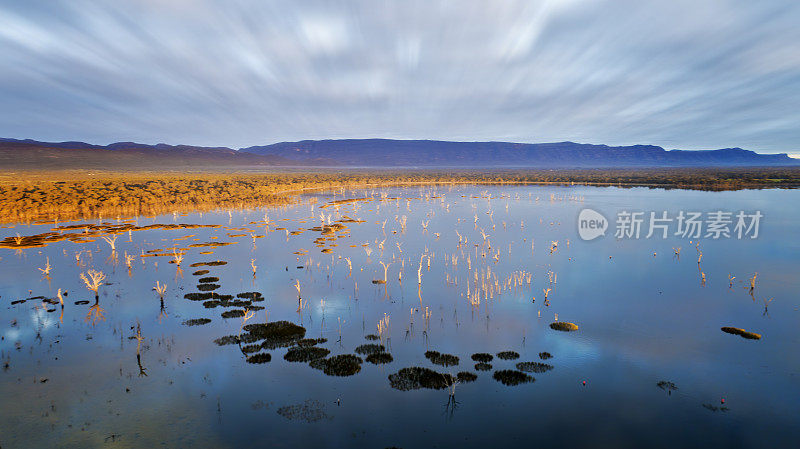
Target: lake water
(649,365)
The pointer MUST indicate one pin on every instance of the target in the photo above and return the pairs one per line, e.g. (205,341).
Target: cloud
(675,73)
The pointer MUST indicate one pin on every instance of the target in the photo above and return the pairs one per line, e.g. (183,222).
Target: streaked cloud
(677,73)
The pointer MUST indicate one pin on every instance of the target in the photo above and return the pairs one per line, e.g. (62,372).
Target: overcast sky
(689,74)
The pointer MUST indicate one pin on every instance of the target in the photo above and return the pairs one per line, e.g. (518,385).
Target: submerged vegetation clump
(563,326)
(309,411)
(437,358)
(380,358)
(466,377)
(510,377)
(208,280)
(235,313)
(370,348)
(262,357)
(275,334)
(214,263)
(311,341)
(534,367)
(508,355)
(252,296)
(482,357)
(416,377)
(338,365)
(482,366)
(666,386)
(545,355)
(196,322)
(742,333)
(226,340)
(305,353)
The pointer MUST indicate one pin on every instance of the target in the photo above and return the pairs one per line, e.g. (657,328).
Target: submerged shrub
(235,313)
(510,377)
(370,348)
(416,377)
(305,353)
(196,322)
(508,355)
(262,357)
(534,367)
(338,365)
(466,377)
(482,357)
(483,366)
(380,358)
(438,358)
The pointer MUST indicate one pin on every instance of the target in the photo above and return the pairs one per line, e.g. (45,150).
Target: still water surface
(648,366)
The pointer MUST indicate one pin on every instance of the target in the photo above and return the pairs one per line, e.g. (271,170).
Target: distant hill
(31,154)
(433,153)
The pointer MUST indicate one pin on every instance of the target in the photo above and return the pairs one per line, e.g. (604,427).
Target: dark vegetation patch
(252,296)
(545,355)
(483,366)
(203,296)
(227,340)
(207,287)
(196,322)
(508,355)
(235,313)
(262,357)
(510,377)
(249,349)
(466,377)
(370,348)
(311,341)
(534,367)
(380,358)
(208,280)
(200,272)
(372,337)
(666,385)
(416,377)
(714,408)
(275,334)
(338,365)
(308,411)
(482,357)
(437,358)
(305,353)
(214,263)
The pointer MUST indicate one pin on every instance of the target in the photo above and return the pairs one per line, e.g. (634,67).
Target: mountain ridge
(390,152)
(28,153)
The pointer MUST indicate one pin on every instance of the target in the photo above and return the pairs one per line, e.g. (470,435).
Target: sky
(696,74)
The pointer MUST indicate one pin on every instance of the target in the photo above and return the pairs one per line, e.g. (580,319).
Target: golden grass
(28,196)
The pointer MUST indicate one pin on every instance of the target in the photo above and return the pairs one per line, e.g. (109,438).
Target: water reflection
(411,297)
